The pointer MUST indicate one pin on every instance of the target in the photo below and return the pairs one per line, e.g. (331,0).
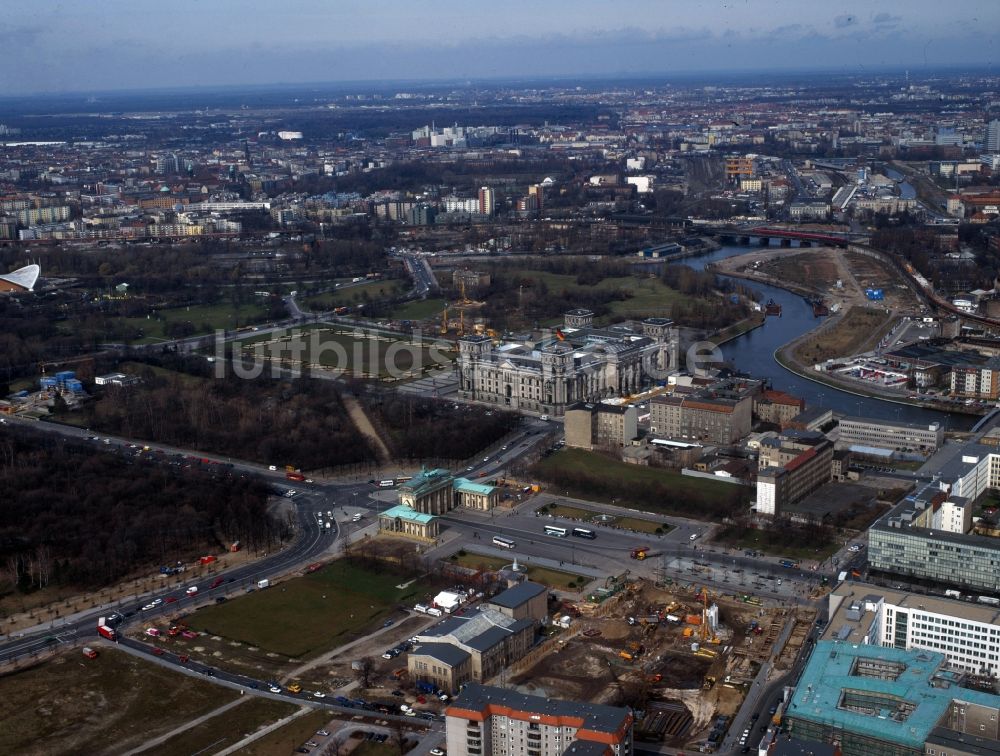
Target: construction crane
(87,361)
(704,614)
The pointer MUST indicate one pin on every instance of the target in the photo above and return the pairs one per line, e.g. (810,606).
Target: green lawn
(788,545)
(419,309)
(227,729)
(636,524)
(337,347)
(304,616)
(75,705)
(369,748)
(650,296)
(223,315)
(544,575)
(286,739)
(353,294)
(595,477)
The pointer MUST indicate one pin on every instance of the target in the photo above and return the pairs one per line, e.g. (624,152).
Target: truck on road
(265,583)
(105,630)
(297,476)
(789,564)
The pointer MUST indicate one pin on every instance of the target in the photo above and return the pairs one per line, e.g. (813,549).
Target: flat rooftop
(850,625)
(597,717)
(904,705)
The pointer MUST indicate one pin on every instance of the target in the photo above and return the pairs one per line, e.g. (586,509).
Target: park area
(552,578)
(302,617)
(107,705)
(179,322)
(621,522)
(364,354)
(350,294)
(595,477)
(643,297)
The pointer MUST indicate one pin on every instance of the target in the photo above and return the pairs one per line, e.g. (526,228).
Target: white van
(357,517)
(694,537)
(422,608)
(435,612)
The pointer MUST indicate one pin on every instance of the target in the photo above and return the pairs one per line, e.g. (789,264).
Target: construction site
(683,655)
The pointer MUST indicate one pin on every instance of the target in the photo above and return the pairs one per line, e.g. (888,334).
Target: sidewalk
(266,730)
(161,739)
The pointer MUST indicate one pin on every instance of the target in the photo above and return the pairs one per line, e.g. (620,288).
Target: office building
(880,701)
(580,363)
(600,426)
(992,140)
(487,201)
(719,414)
(885,434)
(790,467)
(925,537)
(486,721)
(968,634)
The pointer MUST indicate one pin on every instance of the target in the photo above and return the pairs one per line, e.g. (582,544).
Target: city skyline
(53,48)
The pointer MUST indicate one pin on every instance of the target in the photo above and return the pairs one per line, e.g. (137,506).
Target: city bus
(555,530)
(505,543)
(584,533)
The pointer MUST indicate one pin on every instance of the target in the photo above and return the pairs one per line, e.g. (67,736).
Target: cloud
(886,21)
(844,21)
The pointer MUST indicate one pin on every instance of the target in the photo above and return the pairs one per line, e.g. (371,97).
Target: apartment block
(977,381)
(487,721)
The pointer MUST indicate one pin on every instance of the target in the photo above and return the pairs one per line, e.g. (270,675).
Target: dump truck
(640,553)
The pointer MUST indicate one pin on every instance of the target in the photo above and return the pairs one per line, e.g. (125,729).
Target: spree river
(753,354)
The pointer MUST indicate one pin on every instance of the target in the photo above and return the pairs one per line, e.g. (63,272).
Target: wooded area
(418,429)
(300,422)
(70,516)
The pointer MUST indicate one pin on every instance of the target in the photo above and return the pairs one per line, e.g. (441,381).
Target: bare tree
(363,671)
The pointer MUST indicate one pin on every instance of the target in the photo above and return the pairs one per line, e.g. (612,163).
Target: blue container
(47,383)
(65,375)
(74,385)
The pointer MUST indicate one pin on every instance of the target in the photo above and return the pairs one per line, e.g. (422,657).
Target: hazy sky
(81,45)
